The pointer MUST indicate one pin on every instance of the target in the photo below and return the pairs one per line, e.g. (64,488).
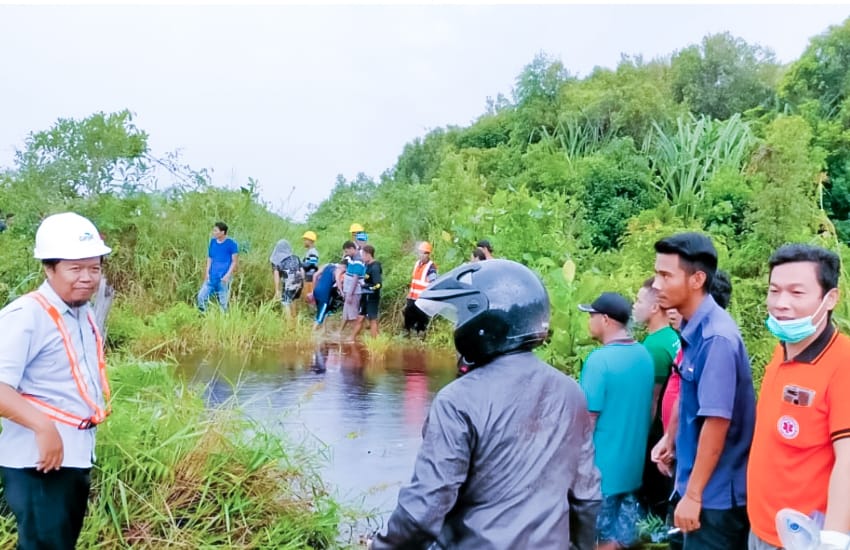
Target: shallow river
(365,415)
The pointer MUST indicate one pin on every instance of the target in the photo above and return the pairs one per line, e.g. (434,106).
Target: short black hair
(827,262)
(348,244)
(53,262)
(369,249)
(479,254)
(721,288)
(484,243)
(221,226)
(696,253)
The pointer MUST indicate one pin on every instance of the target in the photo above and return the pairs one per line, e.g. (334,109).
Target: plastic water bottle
(797,531)
(818,517)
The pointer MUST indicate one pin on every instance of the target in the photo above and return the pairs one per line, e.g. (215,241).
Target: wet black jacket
(506,460)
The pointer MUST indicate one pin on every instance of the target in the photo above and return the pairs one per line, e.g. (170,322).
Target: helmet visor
(432,308)
(455,304)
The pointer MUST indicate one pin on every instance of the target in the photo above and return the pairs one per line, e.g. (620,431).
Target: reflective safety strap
(59,415)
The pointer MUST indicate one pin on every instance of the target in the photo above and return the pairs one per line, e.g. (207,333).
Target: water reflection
(416,394)
(365,413)
(320,359)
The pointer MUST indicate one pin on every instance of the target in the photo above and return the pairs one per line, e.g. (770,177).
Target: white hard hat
(68,236)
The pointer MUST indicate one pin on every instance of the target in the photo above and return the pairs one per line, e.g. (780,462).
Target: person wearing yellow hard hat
(424,273)
(311,261)
(358,236)
(53,386)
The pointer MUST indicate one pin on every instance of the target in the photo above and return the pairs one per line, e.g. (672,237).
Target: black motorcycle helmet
(498,306)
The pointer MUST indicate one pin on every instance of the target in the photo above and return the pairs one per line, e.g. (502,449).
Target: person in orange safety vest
(424,273)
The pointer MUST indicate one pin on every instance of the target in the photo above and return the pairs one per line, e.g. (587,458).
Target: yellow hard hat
(310,235)
(355,228)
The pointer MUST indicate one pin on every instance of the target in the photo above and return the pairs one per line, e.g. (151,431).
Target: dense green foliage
(717,138)
(724,75)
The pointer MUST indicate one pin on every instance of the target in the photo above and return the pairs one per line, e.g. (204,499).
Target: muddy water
(364,415)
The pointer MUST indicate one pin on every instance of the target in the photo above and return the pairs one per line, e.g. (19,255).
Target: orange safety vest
(419,282)
(55,413)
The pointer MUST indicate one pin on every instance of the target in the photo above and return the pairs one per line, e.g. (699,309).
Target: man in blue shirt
(222,258)
(349,282)
(617,380)
(716,403)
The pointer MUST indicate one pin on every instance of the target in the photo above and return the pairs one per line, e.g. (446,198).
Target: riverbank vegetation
(172,474)
(574,177)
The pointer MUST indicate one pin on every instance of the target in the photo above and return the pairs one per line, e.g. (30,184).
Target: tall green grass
(172,474)
(688,157)
(181,329)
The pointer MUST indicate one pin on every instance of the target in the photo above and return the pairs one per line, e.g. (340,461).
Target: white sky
(294,95)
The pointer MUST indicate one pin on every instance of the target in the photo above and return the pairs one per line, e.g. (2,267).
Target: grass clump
(378,346)
(181,329)
(172,474)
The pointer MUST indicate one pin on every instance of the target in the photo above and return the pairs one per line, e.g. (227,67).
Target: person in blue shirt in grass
(712,436)
(325,293)
(222,259)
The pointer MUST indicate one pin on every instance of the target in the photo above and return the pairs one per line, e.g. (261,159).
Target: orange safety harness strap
(55,413)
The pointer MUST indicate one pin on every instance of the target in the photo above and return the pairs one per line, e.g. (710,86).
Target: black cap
(614,305)
(484,243)
(692,246)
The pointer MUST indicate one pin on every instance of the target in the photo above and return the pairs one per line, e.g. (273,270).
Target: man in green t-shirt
(661,340)
(663,344)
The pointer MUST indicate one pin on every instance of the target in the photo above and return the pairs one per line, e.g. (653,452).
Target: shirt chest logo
(788,427)
(798,395)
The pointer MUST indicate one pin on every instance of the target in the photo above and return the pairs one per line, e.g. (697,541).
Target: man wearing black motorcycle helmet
(507,454)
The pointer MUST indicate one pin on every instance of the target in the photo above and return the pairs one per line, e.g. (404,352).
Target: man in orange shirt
(800,457)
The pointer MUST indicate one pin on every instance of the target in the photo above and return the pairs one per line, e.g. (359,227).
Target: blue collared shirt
(716,382)
(33,361)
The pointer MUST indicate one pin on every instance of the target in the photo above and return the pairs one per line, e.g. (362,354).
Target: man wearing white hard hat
(53,386)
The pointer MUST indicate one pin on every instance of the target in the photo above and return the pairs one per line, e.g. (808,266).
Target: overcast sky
(293,95)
